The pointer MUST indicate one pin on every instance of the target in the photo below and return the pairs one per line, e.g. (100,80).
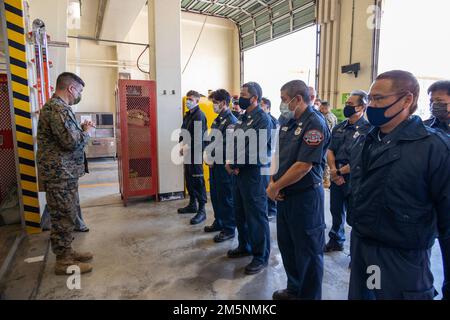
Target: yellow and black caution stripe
(22,113)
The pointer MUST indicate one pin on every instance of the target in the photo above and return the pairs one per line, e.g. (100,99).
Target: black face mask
(439,110)
(349,111)
(244,103)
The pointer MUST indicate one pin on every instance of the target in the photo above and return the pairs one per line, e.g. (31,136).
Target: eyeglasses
(378,98)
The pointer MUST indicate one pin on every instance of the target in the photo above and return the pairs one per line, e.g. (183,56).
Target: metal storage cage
(136,138)
(103,141)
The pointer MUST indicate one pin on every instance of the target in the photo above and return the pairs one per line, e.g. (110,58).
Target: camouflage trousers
(326,177)
(63,202)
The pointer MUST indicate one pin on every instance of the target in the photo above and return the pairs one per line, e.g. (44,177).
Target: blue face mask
(285,112)
(190,104)
(376,116)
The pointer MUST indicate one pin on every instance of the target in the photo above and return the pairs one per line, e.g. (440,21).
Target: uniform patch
(298,131)
(285,129)
(356,135)
(313,137)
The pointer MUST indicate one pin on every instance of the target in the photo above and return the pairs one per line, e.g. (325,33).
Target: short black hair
(65,79)
(297,88)
(193,94)
(221,95)
(443,85)
(325,103)
(254,89)
(403,81)
(267,103)
(363,97)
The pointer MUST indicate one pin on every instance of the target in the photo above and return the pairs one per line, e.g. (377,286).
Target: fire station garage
(224,150)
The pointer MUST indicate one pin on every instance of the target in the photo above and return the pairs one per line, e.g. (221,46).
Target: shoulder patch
(313,137)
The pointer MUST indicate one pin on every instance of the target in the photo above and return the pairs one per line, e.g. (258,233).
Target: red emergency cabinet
(136,138)
(8,177)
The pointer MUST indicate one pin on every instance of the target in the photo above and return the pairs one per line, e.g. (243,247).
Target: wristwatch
(338,172)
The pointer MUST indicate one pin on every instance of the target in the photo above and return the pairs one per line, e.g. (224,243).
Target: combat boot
(66,261)
(82,256)
(200,216)
(191,207)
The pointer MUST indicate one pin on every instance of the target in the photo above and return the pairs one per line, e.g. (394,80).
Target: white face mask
(217,108)
(285,112)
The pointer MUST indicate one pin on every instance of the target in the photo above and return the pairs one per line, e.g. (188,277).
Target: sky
(414,36)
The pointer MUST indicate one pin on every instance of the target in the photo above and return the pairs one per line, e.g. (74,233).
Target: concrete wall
(89,60)
(214,64)
(216,59)
(335,18)
(54,14)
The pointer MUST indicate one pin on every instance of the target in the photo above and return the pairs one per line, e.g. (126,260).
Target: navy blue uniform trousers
(301,238)
(195,182)
(222,186)
(251,213)
(338,207)
(404,274)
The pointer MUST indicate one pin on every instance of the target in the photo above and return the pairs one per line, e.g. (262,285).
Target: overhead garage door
(259,21)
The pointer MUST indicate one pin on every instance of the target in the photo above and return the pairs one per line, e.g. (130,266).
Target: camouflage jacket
(331,120)
(61,143)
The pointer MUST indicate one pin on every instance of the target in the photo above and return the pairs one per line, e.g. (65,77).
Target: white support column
(165,68)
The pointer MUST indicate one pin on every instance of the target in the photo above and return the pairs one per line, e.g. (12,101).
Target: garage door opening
(277,62)
(413,32)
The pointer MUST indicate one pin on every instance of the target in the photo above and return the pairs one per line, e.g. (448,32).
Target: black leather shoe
(189,209)
(199,217)
(223,236)
(333,246)
(255,267)
(212,228)
(283,295)
(238,253)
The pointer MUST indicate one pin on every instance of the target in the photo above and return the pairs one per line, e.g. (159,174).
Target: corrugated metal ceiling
(259,21)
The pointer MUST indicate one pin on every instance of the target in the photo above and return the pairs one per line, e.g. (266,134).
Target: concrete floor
(148,251)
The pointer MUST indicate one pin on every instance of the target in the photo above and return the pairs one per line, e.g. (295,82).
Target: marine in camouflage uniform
(60,156)
(331,121)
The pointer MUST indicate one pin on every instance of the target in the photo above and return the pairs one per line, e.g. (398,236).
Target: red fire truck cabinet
(136,138)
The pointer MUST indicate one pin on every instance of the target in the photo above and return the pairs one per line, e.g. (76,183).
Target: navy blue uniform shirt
(224,121)
(303,140)
(435,123)
(344,136)
(256,120)
(189,120)
(400,196)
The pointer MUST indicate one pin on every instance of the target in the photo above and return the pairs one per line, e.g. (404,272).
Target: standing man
(439,94)
(266,105)
(331,121)
(400,196)
(250,196)
(236,109)
(342,139)
(60,157)
(298,189)
(192,151)
(330,118)
(222,184)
